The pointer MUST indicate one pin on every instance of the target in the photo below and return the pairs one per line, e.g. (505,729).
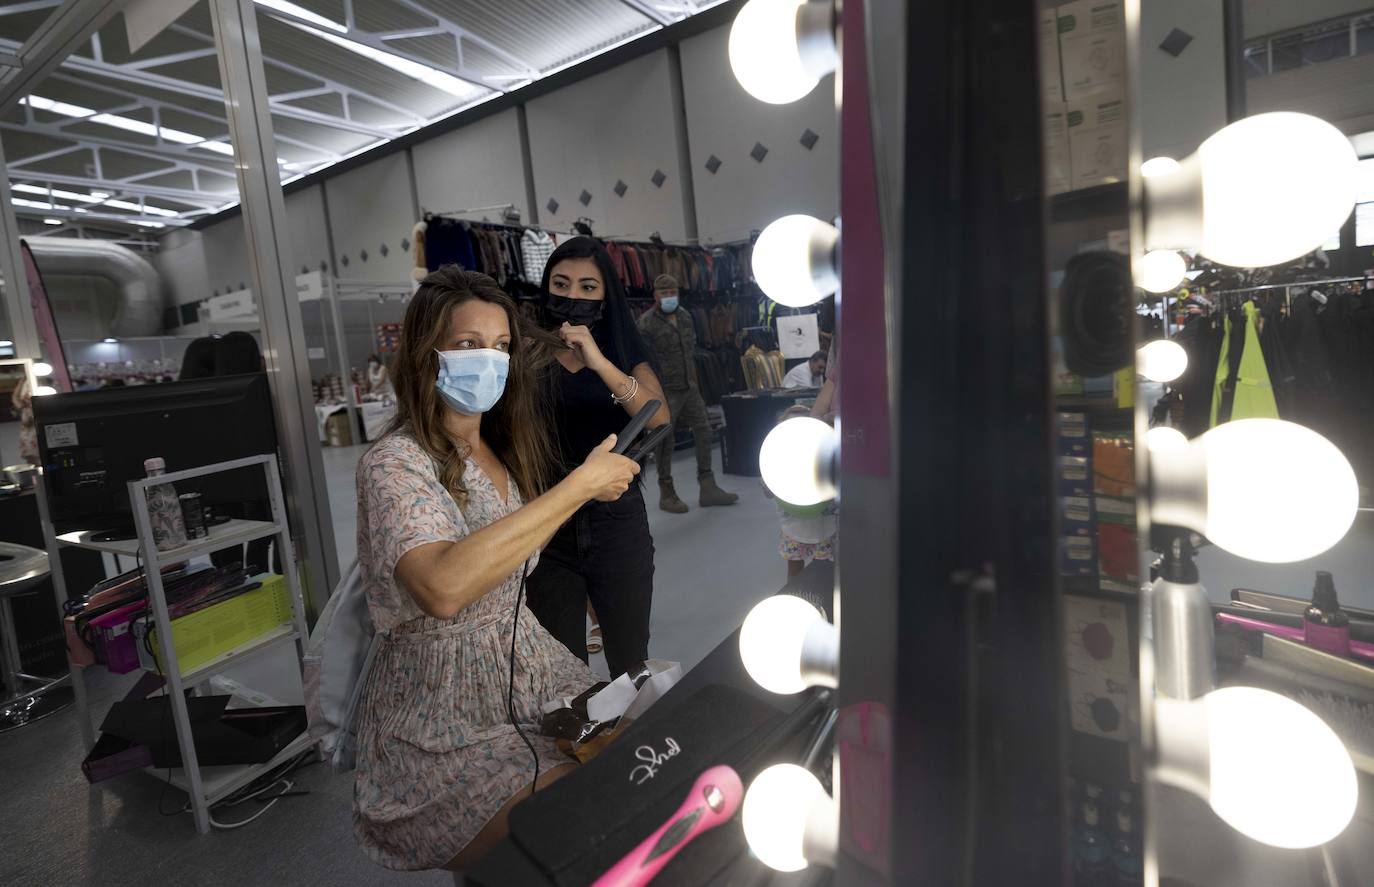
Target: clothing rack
(1286,286)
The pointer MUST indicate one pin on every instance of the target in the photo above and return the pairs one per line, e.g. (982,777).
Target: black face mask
(578,312)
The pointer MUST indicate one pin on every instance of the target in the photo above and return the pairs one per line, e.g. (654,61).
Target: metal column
(23,329)
(265,221)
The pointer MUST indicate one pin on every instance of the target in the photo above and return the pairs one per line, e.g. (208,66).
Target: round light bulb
(1276,491)
(42,369)
(1161,270)
(776,811)
(797,461)
(794,260)
(1248,730)
(43,390)
(1163,439)
(1274,187)
(1158,166)
(1162,360)
(1263,489)
(772,639)
(780,49)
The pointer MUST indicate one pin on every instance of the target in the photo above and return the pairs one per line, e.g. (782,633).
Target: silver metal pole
(267,228)
(59,587)
(171,666)
(341,348)
(23,331)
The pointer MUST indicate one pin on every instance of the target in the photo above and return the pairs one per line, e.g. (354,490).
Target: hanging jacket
(1252,396)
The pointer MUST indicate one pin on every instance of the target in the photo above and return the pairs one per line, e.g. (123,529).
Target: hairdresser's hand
(605,476)
(579,338)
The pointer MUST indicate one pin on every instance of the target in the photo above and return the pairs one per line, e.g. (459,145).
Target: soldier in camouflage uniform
(671,336)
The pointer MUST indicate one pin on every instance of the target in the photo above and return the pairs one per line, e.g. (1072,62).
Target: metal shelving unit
(207,785)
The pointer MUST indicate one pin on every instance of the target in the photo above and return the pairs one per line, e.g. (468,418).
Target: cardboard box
(1098,144)
(1114,465)
(1092,46)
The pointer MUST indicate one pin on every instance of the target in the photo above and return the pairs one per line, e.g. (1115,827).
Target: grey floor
(712,566)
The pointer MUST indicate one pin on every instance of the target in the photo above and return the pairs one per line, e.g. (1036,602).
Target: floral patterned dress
(437,755)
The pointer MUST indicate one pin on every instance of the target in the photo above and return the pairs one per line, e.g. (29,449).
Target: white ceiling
(137,141)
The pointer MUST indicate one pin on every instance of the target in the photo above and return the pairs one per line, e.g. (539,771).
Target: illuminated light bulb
(43,390)
(789,820)
(794,260)
(1158,166)
(1262,191)
(780,49)
(1216,746)
(1162,360)
(42,368)
(786,645)
(1163,439)
(1161,270)
(797,461)
(1263,489)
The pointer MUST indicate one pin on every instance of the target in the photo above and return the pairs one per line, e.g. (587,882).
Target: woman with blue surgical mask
(454,504)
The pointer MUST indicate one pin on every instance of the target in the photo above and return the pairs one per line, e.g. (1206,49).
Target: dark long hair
(620,330)
(516,428)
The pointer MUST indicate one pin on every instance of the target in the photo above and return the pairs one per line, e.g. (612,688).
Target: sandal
(594,638)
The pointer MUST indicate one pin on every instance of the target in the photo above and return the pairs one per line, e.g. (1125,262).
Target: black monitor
(92,443)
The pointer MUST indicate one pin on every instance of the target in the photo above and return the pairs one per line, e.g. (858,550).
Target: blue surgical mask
(668,304)
(472,381)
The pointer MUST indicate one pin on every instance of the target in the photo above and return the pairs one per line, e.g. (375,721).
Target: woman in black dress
(604,553)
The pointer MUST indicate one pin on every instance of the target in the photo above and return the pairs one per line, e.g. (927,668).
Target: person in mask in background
(454,503)
(673,340)
(597,384)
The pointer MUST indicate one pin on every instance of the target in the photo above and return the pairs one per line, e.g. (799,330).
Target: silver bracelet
(631,390)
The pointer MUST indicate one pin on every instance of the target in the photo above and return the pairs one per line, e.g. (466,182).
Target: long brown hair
(517,428)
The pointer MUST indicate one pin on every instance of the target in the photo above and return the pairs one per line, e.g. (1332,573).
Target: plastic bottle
(164,509)
(1091,853)
(1325,625)
(1128,866)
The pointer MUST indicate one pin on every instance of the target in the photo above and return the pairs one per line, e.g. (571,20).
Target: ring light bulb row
(789,820)
(780,49)
(1162,360)
(1221,746)
(794,260)
(797,461)
(1261,191)
(787,645)
(1263,489)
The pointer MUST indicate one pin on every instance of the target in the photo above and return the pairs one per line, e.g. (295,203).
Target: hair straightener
(712,801)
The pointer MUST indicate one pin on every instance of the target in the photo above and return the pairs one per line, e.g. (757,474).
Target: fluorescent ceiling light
(36,204)
(58,192)
(52,221)
(218,147)
(147,208)
(116,121)
(66,110)
(414,70)
(142,224)
(303,13)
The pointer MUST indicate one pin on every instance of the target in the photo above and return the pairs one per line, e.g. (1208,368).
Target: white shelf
(235,532)
(219,782)
(282,633)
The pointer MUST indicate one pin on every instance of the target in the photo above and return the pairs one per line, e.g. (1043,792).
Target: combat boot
(668,500)
(712,494)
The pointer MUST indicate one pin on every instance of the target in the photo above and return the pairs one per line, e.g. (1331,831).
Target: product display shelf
(205,786)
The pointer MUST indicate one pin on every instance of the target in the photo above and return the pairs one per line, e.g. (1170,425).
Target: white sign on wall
(310,286)
(229,305)
(798,336)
